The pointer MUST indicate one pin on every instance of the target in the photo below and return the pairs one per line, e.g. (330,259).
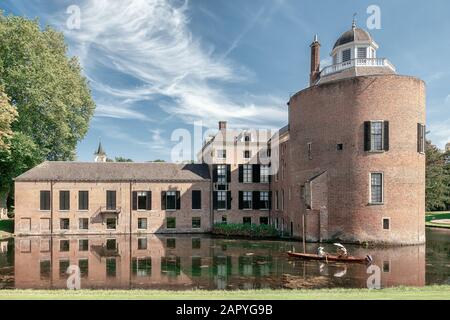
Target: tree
(8,115)
(121,159)
(437,179)
(45,86)
(23,154)
(158,161)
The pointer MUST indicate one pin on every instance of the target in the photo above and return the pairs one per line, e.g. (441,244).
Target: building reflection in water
(187,262)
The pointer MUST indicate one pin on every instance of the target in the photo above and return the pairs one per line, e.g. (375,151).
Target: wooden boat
(330,258)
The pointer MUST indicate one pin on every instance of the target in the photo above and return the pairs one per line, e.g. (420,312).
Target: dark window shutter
(256,172)
(134,200)
(386,136)
(229,200)
(419,136)
(215,173)
(215,200)
(149,201)
(45,200)
(178,200)
(163,200)
(229,173)
(241,173)
(241,200)
(256,200)
(113,199)
(367,135)
(196,199)
(270,200)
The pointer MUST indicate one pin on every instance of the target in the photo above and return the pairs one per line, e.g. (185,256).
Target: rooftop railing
(366,62)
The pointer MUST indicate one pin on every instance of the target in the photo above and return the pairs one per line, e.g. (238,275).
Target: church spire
(100,154)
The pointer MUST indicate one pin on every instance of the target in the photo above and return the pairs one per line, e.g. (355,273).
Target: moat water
(203,262)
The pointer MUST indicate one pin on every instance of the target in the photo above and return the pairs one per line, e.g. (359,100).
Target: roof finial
(354,21)
(316,38)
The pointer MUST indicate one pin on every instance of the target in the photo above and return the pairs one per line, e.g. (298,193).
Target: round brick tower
(357,136)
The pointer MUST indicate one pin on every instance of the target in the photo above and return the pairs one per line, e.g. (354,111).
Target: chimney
(315,61)
(222,125)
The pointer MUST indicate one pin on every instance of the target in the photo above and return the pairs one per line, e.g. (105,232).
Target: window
(221,200)
(142,267)
(224,219)
(171,200)
(340,147)
(247,154)
(376,188)
(111,244)
(248,138)
(421,134)
(142,200)
(111,223)
(196,243)
(387,224)
(83,200)
(111,267)
(222,154)
(386,266)
(171,243)
(83,264)
(64,245)
(222,174)
(64,224)
(64,200)
(264,200)
(310,150)
(248,200)
(264,221)
(45,201)
(63,266)
(346,55)
(247,220)
(362,52)
(83,224)
(248,173)
(142,223)
(110,200)
(196,223)
(142,244)
(45,269)
(265,174)
(171,223)
(196,200)
(83,245)
(376,136)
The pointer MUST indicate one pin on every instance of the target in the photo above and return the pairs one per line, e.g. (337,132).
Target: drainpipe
(51,208)
(131,207)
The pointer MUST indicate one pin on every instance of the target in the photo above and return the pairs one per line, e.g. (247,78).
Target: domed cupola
(354,54)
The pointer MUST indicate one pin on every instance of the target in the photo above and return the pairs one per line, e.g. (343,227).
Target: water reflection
(187,262)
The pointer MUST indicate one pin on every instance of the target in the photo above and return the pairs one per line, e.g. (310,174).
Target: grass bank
(432,217)
(402,293)
(245,230)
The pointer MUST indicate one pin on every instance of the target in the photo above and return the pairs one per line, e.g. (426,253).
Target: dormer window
(362,52)
(346,55)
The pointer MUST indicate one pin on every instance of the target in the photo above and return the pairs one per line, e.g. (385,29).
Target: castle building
(352,160)
(349,166)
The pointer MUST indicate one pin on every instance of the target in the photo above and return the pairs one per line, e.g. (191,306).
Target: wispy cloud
(150,42)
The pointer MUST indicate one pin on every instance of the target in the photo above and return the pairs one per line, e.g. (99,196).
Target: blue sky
(158,65)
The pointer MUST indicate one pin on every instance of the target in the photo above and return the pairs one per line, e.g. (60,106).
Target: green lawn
(426,293)
(432,216)
(7,226)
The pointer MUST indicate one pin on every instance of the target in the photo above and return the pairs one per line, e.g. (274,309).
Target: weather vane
(354,19)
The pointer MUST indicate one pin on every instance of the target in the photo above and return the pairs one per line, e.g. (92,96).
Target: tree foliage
(8,115)
(45,86)
(437,179)
(122,159)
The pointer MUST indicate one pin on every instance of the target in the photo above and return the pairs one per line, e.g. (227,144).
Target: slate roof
(355,34)
(115,171)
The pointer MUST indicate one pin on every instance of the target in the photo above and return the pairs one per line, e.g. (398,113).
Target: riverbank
(6,228)
(403,293)
(438,220)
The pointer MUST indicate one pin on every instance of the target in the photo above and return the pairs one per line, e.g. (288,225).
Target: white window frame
(247,197)
(142,194)
(249,154)
(222,154)
(264,198)
(146,223)
(382,188)
(367,52)
(222,174)
(382,223)
(222,197)
(265,173)
(372,140)
(247,173)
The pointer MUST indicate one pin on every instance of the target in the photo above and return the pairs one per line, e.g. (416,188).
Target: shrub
(245,230)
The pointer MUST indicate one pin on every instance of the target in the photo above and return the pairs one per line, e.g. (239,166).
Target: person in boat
(341,251)
(321,252)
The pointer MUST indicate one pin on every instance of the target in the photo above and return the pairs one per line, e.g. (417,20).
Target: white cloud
(150,41)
